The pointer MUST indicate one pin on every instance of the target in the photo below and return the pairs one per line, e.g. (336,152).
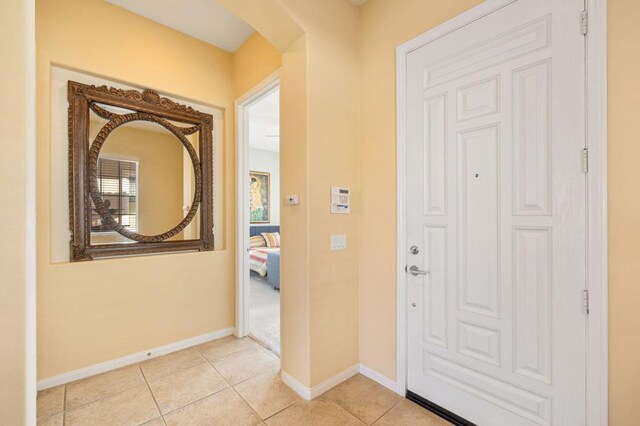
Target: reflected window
(118,184)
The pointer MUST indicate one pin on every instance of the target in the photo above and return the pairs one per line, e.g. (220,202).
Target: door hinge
(585,160)
(584,22)
(585,301)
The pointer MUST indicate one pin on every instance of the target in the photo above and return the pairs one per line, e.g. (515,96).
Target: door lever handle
(415,271)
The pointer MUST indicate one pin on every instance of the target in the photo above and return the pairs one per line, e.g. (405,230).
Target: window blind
(118,185)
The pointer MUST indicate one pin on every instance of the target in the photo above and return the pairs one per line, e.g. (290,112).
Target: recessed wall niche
(128,206)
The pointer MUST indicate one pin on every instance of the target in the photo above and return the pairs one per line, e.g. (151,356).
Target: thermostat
(340,200)
(293,199)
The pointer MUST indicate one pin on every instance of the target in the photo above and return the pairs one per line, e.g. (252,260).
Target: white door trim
(30,362)
(597,259)
(597,216)
(243,302)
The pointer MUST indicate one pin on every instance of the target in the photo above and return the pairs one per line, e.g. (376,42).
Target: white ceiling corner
(205,20)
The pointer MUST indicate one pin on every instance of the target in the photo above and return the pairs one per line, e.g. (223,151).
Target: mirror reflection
(146,181)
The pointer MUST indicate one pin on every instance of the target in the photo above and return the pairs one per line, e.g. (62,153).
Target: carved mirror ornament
(108,212)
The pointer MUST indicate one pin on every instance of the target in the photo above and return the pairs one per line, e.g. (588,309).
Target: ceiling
(264,123)
(202,19)
(205,20)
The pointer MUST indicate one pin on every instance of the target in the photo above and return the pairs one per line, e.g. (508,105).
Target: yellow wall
(97,311)
(322,331)
(255,60)
(385,25)
(294,222)
(17,387)
(319,149)
(332,159)
(272,20)
(624,213)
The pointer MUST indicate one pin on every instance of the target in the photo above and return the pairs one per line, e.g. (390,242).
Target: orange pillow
(257,241)
(272,239)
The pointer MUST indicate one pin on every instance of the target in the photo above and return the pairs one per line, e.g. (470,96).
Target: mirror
(146,180)
(140,174)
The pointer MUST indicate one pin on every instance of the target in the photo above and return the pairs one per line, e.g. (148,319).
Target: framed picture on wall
(259,192)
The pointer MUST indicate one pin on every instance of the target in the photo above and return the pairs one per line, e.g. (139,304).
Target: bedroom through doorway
(259,133)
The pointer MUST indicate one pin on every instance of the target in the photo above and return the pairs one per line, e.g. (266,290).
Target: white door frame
(597,251)
(243,301)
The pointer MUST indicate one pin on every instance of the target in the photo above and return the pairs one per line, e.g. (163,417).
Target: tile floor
(229,381)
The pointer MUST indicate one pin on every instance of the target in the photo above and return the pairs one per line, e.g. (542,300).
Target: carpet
(264,316)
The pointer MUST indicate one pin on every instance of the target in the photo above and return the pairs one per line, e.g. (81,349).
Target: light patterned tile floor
(230,381)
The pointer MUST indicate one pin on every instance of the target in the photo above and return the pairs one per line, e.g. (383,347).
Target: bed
(258,258)
(265,261)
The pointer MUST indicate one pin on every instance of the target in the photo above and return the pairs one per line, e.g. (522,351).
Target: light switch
(339,242)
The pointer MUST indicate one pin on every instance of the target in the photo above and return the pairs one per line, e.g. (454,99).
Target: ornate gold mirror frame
(83,163)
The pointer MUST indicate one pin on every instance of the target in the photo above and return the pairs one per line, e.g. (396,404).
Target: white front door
(496,214)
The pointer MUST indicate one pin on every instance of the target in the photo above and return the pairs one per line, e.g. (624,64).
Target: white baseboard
(320,388)
(333,381)
(297,387)
(103,367)
(379,378)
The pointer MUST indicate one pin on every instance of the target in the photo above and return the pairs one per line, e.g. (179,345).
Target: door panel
(496,204)
(478,220)
(532,303)
(531,139)
(478,99)
(435,156)
(435,240)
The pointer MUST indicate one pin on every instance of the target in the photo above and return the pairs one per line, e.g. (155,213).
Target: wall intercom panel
(340,200)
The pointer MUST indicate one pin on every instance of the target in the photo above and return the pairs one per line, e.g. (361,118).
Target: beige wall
(322,330)
(624,213)
(332,155)
(255,60)
(97,311)
(294,222)
(385,25)
(194,293)
(319,309)
(17,274)
(320,148)
(294,281)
